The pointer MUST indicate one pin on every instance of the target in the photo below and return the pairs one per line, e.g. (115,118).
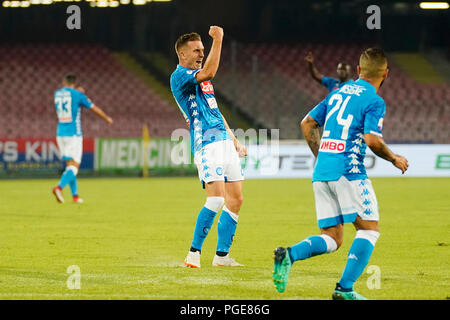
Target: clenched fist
(309,57)
(216,32)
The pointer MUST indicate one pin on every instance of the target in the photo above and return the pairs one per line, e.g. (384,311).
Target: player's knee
(235,203)
(72,163)
(214,203)
(73,168)
(333,242)
(239,200)
(338,241)
(335,234)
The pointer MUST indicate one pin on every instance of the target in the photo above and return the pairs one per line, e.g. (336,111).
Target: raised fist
(216,32)
(309,57)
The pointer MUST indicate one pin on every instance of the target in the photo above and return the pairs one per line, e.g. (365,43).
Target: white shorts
(341,201)
(71,148)
(218,161)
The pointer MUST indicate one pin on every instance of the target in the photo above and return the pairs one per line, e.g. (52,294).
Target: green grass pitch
(130,238)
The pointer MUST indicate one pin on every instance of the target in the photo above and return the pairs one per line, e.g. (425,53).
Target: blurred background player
(68,103)
(344,74)
(216,150)
(352,118)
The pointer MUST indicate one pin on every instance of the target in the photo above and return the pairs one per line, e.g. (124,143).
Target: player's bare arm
(212,61)
(379,147)
(310,129)
(315,74)
(242,150)
(99,112)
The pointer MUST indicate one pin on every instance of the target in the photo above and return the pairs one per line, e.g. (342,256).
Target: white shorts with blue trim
(71,148)
(341,201)
(218,161)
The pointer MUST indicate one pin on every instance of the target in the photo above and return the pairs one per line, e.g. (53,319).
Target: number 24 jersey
(346,115)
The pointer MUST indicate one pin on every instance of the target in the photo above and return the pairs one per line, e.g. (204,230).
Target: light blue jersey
(68,103)
(198,105)
(347,114)
(332,84)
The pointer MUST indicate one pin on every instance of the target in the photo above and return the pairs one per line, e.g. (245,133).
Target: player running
(343,71)
(216,150)
(68,103)
(352,117)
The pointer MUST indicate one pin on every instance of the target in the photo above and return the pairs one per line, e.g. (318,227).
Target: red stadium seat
(284,85)
(37,71)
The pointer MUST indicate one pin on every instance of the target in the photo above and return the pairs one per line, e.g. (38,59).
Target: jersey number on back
(341,121)
(64,108)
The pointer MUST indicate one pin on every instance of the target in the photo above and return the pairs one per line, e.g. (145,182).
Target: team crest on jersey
(207,87)
(380,124)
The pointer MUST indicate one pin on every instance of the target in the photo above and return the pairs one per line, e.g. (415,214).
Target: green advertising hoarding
(129,154)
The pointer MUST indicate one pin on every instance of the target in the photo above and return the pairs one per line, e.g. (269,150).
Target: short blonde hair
(373,63)
(185,38)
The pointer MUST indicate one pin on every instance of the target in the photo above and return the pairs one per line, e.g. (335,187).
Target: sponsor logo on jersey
(207,87)
(212,103)
(332,146)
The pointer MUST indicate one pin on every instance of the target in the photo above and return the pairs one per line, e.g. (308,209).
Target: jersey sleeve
(319,113)
(328,82)
(374,115)
(85,101)
(186,78)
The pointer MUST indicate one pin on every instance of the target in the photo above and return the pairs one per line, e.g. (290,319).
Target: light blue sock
(310,247)
(357,259)
(226,230)
(74,186)
(67,176)
(205,219)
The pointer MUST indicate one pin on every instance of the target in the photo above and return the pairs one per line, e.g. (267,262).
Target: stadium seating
(273,82)
(268,81)
(31,74)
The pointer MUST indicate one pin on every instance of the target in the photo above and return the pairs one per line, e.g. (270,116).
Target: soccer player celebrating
(352,117)
(216,150)
(344,73)
(68,103)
